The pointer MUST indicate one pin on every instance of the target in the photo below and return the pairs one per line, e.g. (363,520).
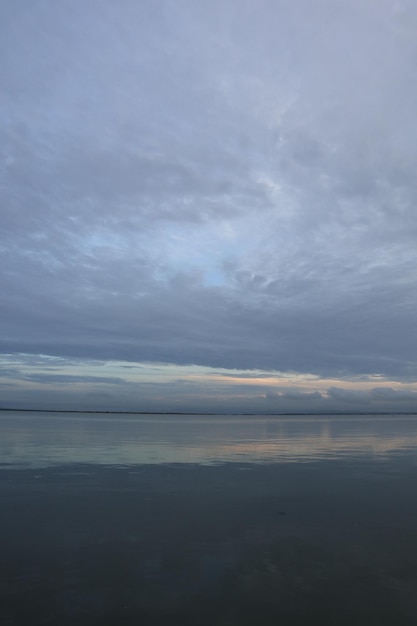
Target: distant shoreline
(293,414)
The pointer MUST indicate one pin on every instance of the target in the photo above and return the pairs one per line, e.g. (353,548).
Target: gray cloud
(294,394)
(338,399)
(220,183)
(71,379)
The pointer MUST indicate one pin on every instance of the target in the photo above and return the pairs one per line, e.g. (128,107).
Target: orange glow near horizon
(178,384)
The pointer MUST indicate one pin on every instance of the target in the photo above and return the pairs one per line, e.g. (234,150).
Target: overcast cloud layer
(229,184)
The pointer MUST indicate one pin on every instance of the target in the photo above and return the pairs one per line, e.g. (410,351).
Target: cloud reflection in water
(39,440)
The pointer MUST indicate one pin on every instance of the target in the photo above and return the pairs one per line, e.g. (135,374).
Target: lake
(47,439)
(211,520)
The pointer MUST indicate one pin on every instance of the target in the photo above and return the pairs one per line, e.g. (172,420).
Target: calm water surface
(48,439)
(149,519)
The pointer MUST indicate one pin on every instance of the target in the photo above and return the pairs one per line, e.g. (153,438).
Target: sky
(208,206)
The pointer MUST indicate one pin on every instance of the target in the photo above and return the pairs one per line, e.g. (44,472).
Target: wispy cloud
(225,184)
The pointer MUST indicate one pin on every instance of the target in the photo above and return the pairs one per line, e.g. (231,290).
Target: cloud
(389,394)
(294,394)
(211,183)
(71,379)
(81,384)
(381,398)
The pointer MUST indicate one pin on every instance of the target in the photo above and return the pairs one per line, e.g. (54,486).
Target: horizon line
(293,413)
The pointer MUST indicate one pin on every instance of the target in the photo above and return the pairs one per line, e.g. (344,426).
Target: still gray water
(47,439)
(169,520)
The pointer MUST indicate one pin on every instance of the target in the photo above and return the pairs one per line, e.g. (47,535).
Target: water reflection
(43,439)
